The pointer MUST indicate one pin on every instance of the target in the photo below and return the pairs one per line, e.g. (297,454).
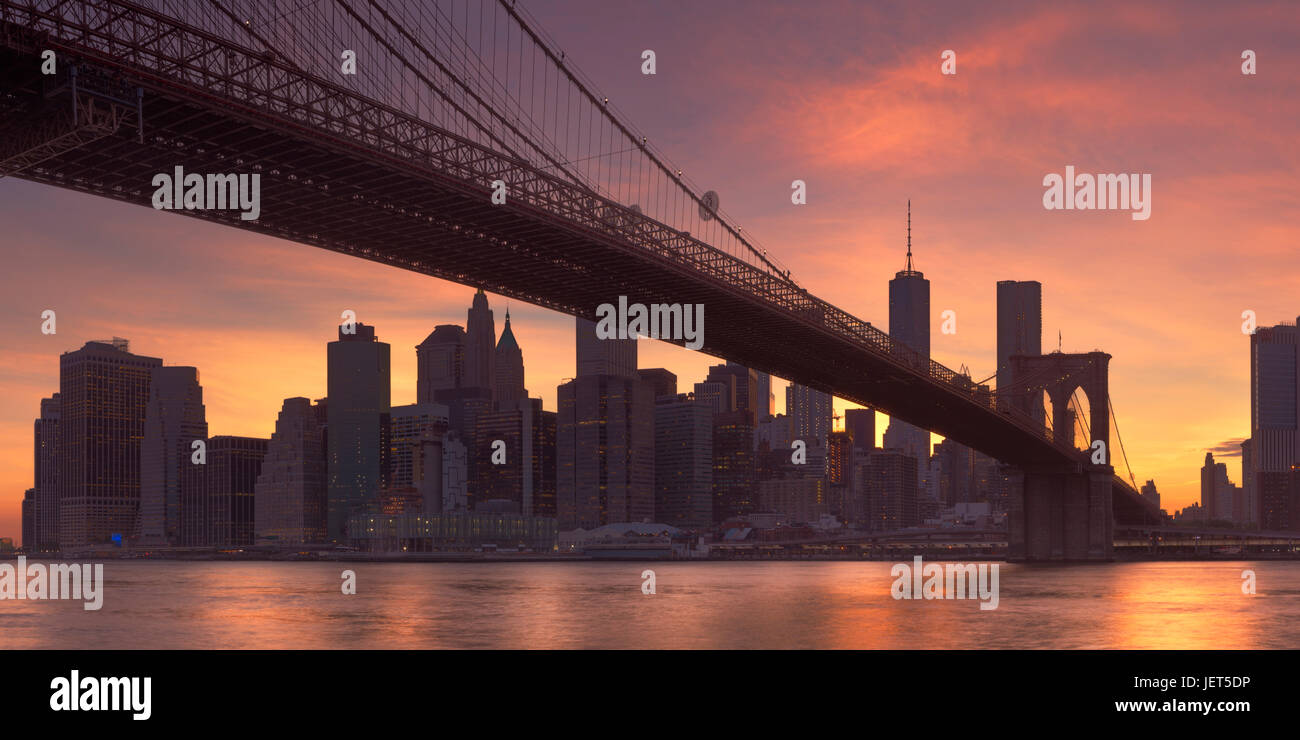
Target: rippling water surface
(697,605)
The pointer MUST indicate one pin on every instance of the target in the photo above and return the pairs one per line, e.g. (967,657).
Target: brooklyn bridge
(382,129)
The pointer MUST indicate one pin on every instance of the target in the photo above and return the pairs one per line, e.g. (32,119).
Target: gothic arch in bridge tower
(1058,375)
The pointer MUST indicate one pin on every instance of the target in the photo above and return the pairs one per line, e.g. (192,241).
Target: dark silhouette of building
(1279,500)
(455,474)
(766,399)
(797,500)
(890,490)
(1150,493)
(465,406)
(417,439)
(841,454)
(605,451)
(810,413)
(683,462)
(717,395)
(358,416)
(604,436)
(290,493)
(598,356)
(956,473)
(909,325)
(525,482)
(509,367)
(662,382)
(480,345)
(1020,329)
(861,426)
(742,388)
(103,395)
(734,471)
(1217,492)
(174,420)
(1274,412)
(440,362)
(29,520)
(45,515)
(839,458)
(218,504)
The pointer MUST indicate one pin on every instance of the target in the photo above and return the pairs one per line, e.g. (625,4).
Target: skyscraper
(103,395)
(1251,500)
(289,496)
(45,512)
(29,520)
(716,394)
(440,362)
(841,457)
(416,442)
(810,413)
(735,470)
(455,474)
(745,389)
(174,420)
(218,505)
(909,324)
(1020,331)
(889,485)
(683,462)
(509,367)
(766,399)
(1279,495)
(662,381)
(1274,411)
(796,500)
(1217,492)
(598,356)
(956,473)
(465,406)
(604,436)
(526,478)
(1150,493)
(358,408)
(604,451)
(909,302)
(480,344)
(861,425)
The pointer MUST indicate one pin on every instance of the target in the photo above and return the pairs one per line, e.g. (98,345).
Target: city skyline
(174,416)
(246,309)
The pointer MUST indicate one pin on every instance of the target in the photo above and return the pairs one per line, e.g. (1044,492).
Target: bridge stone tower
(1062,512)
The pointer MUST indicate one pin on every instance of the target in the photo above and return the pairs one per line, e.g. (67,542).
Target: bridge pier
(1060,514)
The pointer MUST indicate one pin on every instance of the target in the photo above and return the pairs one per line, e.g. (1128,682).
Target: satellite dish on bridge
(708,204)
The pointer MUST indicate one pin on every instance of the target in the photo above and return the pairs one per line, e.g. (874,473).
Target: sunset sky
(749,96)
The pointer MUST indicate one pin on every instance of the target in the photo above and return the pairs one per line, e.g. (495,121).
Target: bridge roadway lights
(1060,514)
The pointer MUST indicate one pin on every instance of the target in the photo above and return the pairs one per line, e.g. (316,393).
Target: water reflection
(698,605)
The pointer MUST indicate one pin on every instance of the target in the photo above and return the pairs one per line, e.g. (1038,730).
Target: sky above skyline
(749,96)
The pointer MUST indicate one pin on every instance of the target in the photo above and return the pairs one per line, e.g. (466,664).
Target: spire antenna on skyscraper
(909,235)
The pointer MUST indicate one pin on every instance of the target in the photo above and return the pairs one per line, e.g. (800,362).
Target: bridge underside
(340,196)
(338,193)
